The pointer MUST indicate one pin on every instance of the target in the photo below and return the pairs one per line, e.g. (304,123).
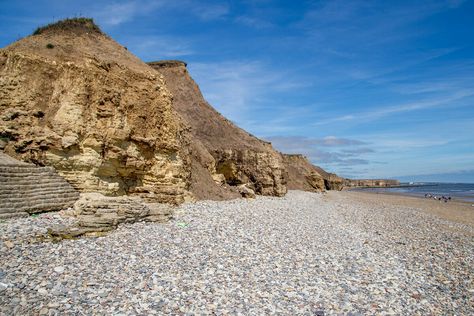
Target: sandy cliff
(220,151)
(303,175)
(74,99)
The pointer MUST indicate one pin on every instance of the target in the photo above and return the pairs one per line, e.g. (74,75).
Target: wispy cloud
(208,12)
(384,111)
(337,152)
(240,88)
(152,48)
(116,13)
(253,22)
(328,141)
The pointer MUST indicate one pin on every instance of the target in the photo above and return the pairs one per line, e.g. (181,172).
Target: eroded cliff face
(79,102)
(225,155)
(333,182)
(302,175)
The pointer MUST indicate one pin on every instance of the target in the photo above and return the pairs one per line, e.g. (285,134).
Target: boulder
(246,192)
(98,213)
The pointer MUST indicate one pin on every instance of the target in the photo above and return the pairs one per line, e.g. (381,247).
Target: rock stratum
(26,189)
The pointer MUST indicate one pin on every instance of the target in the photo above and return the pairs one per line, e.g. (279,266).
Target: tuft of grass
(86,24)
(49,46)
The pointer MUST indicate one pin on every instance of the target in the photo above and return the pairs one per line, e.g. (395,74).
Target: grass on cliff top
(72,24)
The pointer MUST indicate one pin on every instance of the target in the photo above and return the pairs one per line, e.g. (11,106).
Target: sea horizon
(456,191)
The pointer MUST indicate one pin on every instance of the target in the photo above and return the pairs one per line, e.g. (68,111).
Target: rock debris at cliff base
(305,253)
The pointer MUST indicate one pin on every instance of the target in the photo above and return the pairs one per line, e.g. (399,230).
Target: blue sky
(363,88)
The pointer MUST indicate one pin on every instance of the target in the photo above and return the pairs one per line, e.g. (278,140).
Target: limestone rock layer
(26,189)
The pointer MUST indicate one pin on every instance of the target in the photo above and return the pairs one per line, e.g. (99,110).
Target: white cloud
(118,13)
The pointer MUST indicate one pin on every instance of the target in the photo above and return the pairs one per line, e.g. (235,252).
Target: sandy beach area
(339,253)
(455,210)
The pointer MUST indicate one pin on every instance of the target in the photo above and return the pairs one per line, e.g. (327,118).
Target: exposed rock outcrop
(97,213)
(27,189)
(73,99)
(302,175)
(333,182)
(378,183)
(221,150)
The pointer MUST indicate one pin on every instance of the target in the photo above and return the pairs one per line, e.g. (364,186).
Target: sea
(457,191)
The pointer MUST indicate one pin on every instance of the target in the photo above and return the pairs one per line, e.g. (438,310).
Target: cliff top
(167,63)
(75,25)
(209,126)
(76,40)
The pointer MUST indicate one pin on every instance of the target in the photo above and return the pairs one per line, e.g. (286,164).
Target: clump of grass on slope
(73,24)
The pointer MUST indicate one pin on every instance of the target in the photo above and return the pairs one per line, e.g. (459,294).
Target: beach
(303,254)
(455,210)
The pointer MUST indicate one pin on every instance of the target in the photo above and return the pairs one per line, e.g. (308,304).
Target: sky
(365,89)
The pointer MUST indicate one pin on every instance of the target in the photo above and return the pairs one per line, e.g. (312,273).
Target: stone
(246,192)
(8,244)
(96,213)
(102,293)
(333,182)
(59,269)
(302,175)
(42,291)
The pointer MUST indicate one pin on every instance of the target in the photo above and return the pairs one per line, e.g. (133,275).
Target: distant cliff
(303,175)
(351,183)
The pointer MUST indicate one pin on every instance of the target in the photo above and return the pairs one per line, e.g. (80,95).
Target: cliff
(221,152)
(303,175)
(352,183)
(74,99)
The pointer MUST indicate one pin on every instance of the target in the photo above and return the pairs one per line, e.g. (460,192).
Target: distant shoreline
(456,210)
(406,194)
(453,191)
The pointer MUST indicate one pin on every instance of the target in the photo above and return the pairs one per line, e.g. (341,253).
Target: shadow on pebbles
(303,254)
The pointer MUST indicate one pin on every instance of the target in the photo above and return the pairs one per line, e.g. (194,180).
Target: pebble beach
(303,254)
